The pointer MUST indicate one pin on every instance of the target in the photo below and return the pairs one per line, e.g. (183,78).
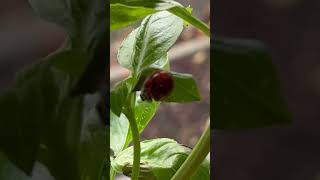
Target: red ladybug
(157,86)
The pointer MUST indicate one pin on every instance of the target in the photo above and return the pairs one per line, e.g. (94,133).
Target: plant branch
(181,12)
(194,160)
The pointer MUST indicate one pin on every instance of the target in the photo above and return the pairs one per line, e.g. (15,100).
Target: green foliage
(126,12)
(143,52)
(160,159)
(40,118)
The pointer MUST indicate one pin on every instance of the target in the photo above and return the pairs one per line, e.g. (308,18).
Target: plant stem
(194,160)
(136,149)
(136,139)
(181,12)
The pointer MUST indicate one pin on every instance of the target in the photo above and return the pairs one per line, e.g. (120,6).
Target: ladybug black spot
(157,86)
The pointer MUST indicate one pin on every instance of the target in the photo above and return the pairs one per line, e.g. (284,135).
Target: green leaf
(122,15)
(119,128)
(246,89)
(150,41)
(125,52)
(119,95)
(160,159)
(185,89)
(125,13)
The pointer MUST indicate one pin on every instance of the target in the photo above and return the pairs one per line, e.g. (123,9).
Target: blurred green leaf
(85,22)
(160,159)
(8,171)
(94,143)
(246,91)
(40,120)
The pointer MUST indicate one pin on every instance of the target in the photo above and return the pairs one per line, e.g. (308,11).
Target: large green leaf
(160,159)
(246,91)
(150,41)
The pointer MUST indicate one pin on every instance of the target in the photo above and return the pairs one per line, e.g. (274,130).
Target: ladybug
(157,86)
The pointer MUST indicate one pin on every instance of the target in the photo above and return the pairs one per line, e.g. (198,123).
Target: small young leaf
(246,89)
(160,159)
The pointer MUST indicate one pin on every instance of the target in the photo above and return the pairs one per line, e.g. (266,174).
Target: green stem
(136,149)
(185,15)
(136,139)
(194,160)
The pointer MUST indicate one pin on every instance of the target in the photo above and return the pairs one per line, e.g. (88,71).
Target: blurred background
(24,38)
(291,30)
